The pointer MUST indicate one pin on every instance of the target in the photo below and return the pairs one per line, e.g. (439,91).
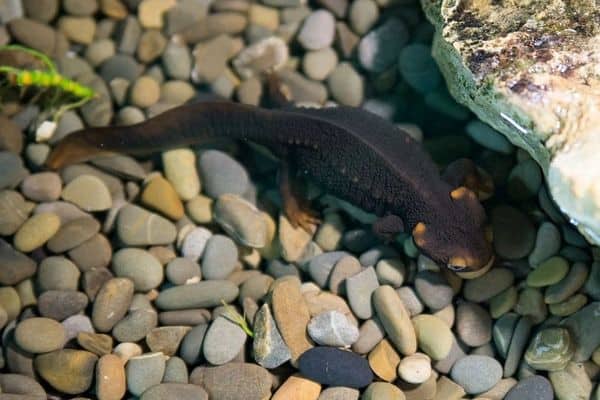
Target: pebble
(60,304)
(180,170)
(320,266)
(518,342)
(362,15)
(14,210)
(144,371)
(14,266)
(303,90)
(150,12)
(57,273)
(250,91)
(10,302)
(144,270)
(182,270)
(433,289)
(221,174)
(296,386)
(43,11)
(14,171)
(177,60)
(473,324)
(77,29)
(415,368)
(166,339)
(580,324)
(319,64)
(211,58)
(40,335)
(269,349)
(335,367)
(69,371)
(34,34)
(383,390)
(346,85)
(339,393)
(87,192)
(256,287)
(533,388)
(181,391)
(80,7)
(230,23)
(344,268)
(17,384)
(384,361)
(110,378)
(524,180)
(139,227)
(93,253)
(223,341)
(359,289)
(550,349)
(191,345)
(144,92)
(317,31)
(96,53)
(568,286)
(43,186)
(195,242)
(175,371)
(270,53)
(120,66)
(476,374)
(547,243)
(332,329)
(419,70)
(549,272)
(433,336)
(488,137)
(395,319)
(378,49)
(190,317)
(180,92)
(571,383)
(111,303)
(73,234)
(592,285)
(36,231)
(197,295)
(488,285)
(241,220)
(531,303)
(514,234)
(234,381)
(291,315)
(370,334)
(97,343)
(151,45)
(219,258)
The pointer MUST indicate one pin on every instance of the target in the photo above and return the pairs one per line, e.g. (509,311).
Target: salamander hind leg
(295,207)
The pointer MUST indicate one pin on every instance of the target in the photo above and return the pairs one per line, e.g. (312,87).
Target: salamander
(348,151)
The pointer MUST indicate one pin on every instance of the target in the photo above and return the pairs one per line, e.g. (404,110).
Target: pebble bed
(125,277)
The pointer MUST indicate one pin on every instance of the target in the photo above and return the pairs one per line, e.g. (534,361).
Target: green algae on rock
(529,68)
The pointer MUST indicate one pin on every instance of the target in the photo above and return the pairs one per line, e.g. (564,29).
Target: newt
(348,151)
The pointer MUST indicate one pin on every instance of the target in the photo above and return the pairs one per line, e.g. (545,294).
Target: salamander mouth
(470,272)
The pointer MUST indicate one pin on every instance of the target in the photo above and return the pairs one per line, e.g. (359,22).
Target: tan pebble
(267,17)
(383,390)
(447,389)
(111,303)
(114,9)
(160,196)
(10,302)
(447,314)
(68,370)
(293,240)
(180,170)
(78,29)
(272,249)
(291,314)
(415,368)
(499,391)
(145,92)
(150,12)
(97,343)
(166,339)
(297,388)
(110,378)
(423,391)
(36,231)
(395,319)
(433,335)
(384,361)
(40,335)
(88,192)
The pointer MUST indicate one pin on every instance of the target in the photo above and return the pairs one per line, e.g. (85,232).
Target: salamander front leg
(295,207)
(464,172)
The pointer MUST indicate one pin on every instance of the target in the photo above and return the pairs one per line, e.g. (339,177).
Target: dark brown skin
(350,152)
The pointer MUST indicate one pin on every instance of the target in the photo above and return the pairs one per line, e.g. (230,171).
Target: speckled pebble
(221,174)
(144,371)
(332,329)
(476,374)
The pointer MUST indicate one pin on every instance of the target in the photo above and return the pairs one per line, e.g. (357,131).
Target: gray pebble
(533,388)
(140,266)
(476,374)
(144,372)
(181,391)
(223,341)
(139,227)
(181,270)
(346,85)
(359,289)
(269,349)
(220,257)
(362,15)
(473,324)
(332,328)
(73,234)
(12,169)
(14,265)
(120,66)
(320,266)
(580,325)
(378,50)
(57,273)
(220,174)
(177,61)
(433,289)
(135,326)
(61,304)
(518,342)
(194,243)
(43,186)
(197,295)
(410,300)
(191,345)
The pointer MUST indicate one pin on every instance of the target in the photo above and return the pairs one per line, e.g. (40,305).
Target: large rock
(529,69)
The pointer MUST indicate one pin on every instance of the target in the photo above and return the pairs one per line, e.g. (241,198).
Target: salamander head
(457,237)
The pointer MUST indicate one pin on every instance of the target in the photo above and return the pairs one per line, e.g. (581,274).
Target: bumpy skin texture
(350,152)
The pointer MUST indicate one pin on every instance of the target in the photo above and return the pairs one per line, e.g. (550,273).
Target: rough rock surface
(530,69)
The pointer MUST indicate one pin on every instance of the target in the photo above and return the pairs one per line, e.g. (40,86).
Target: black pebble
(335,367)
(532,388)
